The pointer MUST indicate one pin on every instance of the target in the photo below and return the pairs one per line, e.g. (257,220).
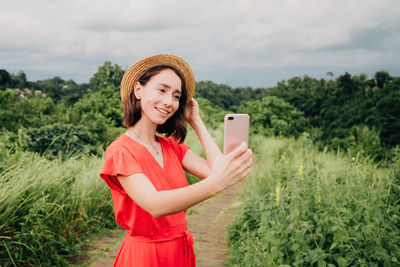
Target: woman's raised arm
(191,162)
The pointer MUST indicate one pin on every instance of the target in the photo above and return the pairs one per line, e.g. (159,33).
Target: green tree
(32,111)
(101,113)
(226,97)
(386,112)
(273,116)
(334,107)
(382,78)
(107,75)
(19,80)
(219,94)
(51,87)
(5,79)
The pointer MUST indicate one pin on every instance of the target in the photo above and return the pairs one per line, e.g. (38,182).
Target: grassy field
(302,207)
(47,208)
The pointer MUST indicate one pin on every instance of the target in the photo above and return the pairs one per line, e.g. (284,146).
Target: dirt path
(208,225)
(207,222)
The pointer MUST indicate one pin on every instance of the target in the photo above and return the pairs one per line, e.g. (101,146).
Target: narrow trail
(207,222)
(208,226)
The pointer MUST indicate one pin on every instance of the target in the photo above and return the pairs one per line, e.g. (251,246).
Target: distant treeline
(347,112)
(343,112)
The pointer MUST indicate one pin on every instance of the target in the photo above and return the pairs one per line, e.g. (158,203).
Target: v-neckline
(162,167)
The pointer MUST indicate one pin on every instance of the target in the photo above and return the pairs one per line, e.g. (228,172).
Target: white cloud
(72,38)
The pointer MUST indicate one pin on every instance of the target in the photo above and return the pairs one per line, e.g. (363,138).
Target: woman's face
(160,96)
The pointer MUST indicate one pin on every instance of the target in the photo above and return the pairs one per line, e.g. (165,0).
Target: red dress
(149,241)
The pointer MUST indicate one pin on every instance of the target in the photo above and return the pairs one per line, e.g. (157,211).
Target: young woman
(145,171)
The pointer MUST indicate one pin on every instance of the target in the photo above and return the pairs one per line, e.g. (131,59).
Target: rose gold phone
(236,131)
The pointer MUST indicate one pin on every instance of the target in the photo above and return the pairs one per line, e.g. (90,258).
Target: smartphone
(236,131)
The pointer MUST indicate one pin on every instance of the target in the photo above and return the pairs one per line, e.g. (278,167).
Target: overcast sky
(236,42)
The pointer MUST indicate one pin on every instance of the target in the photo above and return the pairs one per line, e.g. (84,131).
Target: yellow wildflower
(301,170)
(353,158)
(319,200)
(278,191)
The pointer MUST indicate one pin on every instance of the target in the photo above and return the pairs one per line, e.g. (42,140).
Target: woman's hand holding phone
(232,167)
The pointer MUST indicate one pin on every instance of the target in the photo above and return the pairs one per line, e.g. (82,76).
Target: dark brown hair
(174,126)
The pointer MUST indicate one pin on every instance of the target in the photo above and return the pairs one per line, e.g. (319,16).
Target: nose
(167,100)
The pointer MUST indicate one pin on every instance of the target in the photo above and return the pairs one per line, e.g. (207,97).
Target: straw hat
(133,74)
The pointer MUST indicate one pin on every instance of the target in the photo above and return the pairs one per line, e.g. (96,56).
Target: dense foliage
(339,113)
(225,96)
(50,127)
(302,207)
(335,107)
(54,132)
(273,116)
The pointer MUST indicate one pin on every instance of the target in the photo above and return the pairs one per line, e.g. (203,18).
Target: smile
(162,111)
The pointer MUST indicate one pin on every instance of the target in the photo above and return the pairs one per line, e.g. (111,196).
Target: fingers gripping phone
(236,131)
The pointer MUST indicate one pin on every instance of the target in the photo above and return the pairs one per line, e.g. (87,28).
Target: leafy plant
(308,208)
(273,116)
(58,140)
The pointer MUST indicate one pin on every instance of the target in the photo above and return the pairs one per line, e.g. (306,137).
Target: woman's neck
(145,131)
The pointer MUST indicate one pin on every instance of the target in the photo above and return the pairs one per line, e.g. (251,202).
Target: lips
(162,111)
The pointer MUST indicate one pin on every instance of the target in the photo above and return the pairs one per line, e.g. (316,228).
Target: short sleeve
(118,162)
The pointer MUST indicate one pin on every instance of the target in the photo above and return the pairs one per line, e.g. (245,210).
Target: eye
(177,97)
(161,90)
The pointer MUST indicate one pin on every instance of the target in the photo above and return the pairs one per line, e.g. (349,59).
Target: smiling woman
(145,171)
(165,86)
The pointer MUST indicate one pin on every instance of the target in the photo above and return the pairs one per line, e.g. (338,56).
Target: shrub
(32,111)
(273,116)
(307,208)
(360,141)
(58,140)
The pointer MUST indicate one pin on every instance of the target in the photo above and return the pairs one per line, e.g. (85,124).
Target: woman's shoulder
(174,144)
(169,140)
(118,145)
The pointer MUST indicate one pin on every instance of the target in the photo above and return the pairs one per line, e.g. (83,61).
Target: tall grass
(302,207)
(48,207)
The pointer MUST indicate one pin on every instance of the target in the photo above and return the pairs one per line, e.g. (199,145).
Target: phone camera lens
(230,118)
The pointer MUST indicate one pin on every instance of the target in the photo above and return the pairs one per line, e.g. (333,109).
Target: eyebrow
(166,85)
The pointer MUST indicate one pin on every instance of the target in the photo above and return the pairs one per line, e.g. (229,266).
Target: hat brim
(133,74)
